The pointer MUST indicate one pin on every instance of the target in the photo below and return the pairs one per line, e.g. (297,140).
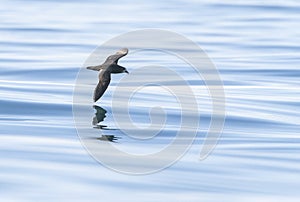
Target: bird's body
(110,66)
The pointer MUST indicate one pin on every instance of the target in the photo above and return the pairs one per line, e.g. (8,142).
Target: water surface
(254,45)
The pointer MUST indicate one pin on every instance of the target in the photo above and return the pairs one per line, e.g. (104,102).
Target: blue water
(253,44)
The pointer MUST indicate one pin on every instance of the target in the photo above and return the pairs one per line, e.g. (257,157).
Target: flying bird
(110,66)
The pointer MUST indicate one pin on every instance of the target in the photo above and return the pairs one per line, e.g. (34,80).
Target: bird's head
(115,69)
(125,71)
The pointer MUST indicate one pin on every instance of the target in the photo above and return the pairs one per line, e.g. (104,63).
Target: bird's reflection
(110,138)
(99,117)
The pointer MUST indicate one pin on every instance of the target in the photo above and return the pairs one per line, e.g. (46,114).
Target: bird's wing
(110,60)
(104,80)
(115,57)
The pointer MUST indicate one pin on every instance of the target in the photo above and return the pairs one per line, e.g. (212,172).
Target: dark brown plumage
(110,66)
(110,60)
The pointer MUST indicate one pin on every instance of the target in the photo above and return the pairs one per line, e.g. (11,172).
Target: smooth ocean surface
(254,44)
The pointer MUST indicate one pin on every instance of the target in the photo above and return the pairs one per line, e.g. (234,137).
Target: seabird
(110,66)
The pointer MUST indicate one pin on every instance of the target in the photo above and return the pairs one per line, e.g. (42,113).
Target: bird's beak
(126,71)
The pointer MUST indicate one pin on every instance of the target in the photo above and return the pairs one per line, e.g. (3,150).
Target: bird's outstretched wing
(115,57)
(104,80)
(110,60)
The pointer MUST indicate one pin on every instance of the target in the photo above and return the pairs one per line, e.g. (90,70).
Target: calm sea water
(254,45)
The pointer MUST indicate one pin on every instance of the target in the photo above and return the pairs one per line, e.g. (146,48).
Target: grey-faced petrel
(110,66)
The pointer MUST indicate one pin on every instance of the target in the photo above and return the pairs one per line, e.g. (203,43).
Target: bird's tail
(95,68)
